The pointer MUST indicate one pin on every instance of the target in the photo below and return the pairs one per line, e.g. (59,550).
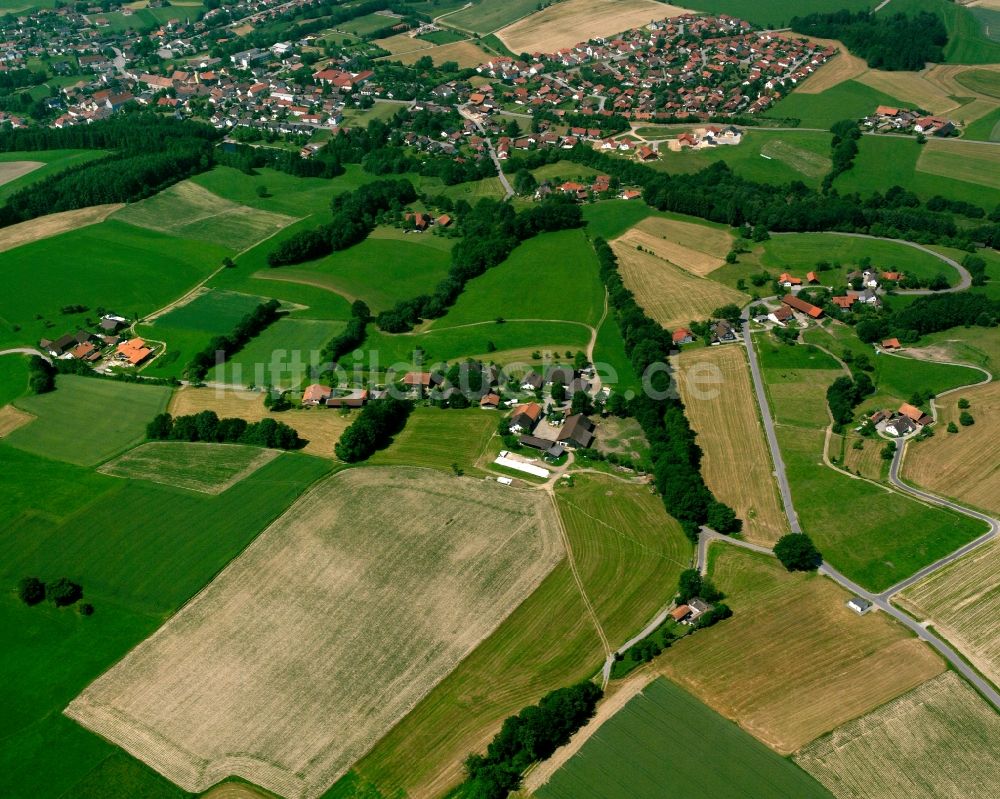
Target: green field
(113,265)
(986,128)
(981,81)
(13,377)
(901,377)
(54,161)
(847,100)
(552,276)
(280,356)
(609,349)
(87,420)
(369,23)
(562,171)
(775,13)
(437,438)
(139,550)
(442,37)
(486,16)
(212,312)
(664,742)
(609,219)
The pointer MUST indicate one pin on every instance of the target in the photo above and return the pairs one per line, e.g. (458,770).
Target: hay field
(192,212)
(208,468)
(567,23)
(794,662)
(935,742)
(53,224)
(842,67)
(326,631)
(962,601)
(466,54)
(697,248)
(810,164)
(868,460)
(964,465)
(12,418)
(961,160)
(736,463)
(402,43)
(913,87)
(321,427)
(669,294)
(12,170)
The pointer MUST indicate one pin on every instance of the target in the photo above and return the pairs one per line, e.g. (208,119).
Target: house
(646,154)
(631,194)
(914,413)
(811,278)
(60,346)
(443,221)
(112,324)
(577,432)
(698,606)
(356,399)
(682,336)
(490,401)
(781,315)
(420,220)
(788,280)
(316,394)
(419,381)
(133,352)
(891,344)
(85,352)
(896,276)
(859,605)
(900,426)
(802,306)
(722,331)
(560,374)
(681,613)
(843,303)
(550,448)
(525,417)
(531,382)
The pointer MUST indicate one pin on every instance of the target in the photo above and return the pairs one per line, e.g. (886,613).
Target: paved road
(772,438)
(465,112)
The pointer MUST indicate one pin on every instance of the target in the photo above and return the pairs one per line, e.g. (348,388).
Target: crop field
(699,249)
(609,219)
(281,356)
(437,438)
(551,276)
(977,346)
(981,81)
(160,268)
(466,54)
(785,667)
(736,462)
(867,461)
(911,87)
(171,700)
(671,295)
(843,66)
(12,170)
(567,23)
(962,602)
(86,420)
(380,271)
(44,227)
(634,754)
(209,468)
(190,211)
(46,162)
(369,23)
(320,427)
(936,742)
(963,465)
(965,161)
(485,16)
(628,551)
(11,418)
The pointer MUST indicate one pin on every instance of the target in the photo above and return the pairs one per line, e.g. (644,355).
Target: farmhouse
(722,332)
(85,352)
(891,344)
(914,413)
(788,281)
(680,613)
(420,381)
(843,303)
(525,417)
(802,306)
(900,426)
(490,401)
(355,399)
(316,394)
(532,382)
(682,336)
(781,315)
(577,432)
(133,352)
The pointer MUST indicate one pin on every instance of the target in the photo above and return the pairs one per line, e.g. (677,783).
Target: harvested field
(913,87)
(321,427)
(935,742)
(736,463)
(401,43)
(962,601)
(208,468)
(841,67)
(325,632)
(810,164)
(867,461)
(192,212)
(466,54)
(786,666)
(697,248)
(669,294)
(961,160)
(53,224)
(12,418)
(963,465)
(564,24)
(12,170)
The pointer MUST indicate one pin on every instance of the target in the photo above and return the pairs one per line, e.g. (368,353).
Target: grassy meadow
(847,100)
(53,161)
(776,13)
(485,17)
(13,377)
(437,438)
(634,754)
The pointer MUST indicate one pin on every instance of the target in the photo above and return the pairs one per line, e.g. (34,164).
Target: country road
(508,189)
(26,351)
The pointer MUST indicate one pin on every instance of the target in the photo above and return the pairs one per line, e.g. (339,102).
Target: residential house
(531,382)
(781,315)
(525,417)
(722,331)
(682,336)
(900,426)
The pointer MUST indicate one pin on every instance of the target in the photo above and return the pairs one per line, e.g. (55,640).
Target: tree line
(373,430)
(490,231)
(675,455)
(930,314)
(354,217)
(249,326)
(885,41)
(843,149)
(844,394)
(529,737)
(353,336)
(208,427)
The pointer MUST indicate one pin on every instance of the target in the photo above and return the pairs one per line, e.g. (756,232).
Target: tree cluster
(373,430)
(208,427)
(845,393)
(530,736)
(843,149)
(41,375)
(249,326)
(675,455)
(62,592)
(930,314)
(797,552)
(885,41)
(353,335)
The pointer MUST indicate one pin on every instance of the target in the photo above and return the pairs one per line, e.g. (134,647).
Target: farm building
(133,352)
(316,394)
(788,280)
(355,399)
(85,352)
(520,466)
(550,448)
(525,417)
(781,315)
(532,382)
(490,401)
(859,605)
(420,381)
(802,306)
(577,432)
(891,344)
(914,414)
(560,374)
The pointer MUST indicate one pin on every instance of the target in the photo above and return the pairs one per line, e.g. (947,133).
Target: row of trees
(843,149)
(373,430)
(844,393)
(354,215)
(675,455)
(930,314)
(62,592)
(208,427)
(892,42)
(249,326)
(353,336)
(490,231)
(41,375)
(530,736)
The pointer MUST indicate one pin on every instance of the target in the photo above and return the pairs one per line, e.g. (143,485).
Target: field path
(26,351)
